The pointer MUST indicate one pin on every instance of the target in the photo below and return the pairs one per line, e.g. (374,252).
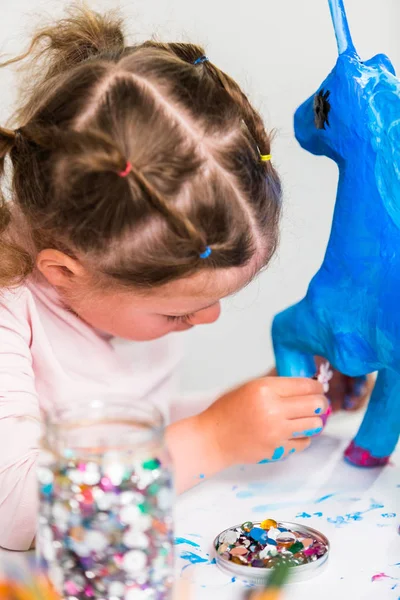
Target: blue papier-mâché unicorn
(351,312)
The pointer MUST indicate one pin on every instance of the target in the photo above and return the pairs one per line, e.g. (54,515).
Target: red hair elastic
(126,171)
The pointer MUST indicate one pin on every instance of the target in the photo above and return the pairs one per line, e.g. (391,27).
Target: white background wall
(279,51)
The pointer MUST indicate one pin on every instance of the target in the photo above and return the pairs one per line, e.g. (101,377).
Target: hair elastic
(265,157)
(127,170)
(207,252)
(201,59)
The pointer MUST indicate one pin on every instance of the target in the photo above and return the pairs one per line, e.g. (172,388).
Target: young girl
(142,193)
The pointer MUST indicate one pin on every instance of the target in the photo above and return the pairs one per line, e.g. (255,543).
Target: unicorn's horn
(342,31)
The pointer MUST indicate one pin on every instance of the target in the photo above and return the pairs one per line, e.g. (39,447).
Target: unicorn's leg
(379,431)
(295,339)
(292,335)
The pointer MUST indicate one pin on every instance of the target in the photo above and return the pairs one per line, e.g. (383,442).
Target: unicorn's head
(340,114)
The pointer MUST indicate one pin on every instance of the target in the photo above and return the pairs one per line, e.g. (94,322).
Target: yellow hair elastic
(265,157)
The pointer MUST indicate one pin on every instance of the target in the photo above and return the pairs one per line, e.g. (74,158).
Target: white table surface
(357,509)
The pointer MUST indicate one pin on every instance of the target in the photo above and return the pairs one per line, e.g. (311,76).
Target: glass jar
(106,496)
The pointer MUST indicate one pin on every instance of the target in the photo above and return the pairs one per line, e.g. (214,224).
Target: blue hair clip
(206,253)
(201,59)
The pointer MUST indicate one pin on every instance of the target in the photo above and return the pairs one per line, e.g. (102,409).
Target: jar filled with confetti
(106,495)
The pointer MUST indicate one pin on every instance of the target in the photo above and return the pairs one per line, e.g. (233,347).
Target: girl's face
(177,306)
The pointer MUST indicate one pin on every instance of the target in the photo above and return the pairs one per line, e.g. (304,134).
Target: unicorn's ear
(381,60)
(342,30)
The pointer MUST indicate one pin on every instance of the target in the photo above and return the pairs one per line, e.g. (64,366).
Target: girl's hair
(135,159)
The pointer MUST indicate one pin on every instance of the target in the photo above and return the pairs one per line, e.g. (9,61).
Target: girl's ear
(59,269)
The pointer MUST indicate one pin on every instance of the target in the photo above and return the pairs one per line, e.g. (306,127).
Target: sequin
(135,539)
(116,588)
(257,563)
(238,551)
(96,541)
(129,514)
(273,533)
(296,547)
(151,464)
(77,533)
(258,534)
(45,476)
(286,538)
(134,561)
(247,526)
(228,537)
(91,475)
(268,551)
(268,523)
(237,560)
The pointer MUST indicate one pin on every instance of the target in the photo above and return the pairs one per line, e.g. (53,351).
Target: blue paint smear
(278,453)
(307,432)
(356,516)
(323,498)
(244,494)
(194,559)
(181,540)
(213,561)
(303,515)
(318,411)
(233,579)
(388,515)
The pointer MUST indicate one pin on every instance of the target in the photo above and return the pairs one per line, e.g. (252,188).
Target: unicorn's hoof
(363,458)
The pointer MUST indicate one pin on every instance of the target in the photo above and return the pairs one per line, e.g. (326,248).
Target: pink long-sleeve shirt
(47,356)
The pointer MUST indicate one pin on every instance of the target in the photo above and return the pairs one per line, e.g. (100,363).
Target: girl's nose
(207,315)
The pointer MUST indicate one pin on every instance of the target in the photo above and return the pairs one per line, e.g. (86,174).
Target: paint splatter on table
(356,509)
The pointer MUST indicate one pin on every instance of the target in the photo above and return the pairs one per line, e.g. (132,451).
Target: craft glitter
(105,529)
(267,544)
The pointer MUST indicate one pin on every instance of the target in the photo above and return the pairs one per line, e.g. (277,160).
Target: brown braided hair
(191,136)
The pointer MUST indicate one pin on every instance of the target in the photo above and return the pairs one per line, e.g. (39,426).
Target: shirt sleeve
(19,424)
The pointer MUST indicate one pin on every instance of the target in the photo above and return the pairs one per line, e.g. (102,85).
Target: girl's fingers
(305,428)
(297,445)
(305,406)
(285,387)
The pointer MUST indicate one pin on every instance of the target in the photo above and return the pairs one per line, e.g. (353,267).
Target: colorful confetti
(105,526)
(267,544)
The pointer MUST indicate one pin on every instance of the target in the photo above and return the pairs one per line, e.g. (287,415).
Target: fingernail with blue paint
(307,432)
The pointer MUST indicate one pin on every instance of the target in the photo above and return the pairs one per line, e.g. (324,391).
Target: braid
(251,118)
(94,152)
(190,53)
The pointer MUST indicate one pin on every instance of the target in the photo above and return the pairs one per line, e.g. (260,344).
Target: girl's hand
(264,420)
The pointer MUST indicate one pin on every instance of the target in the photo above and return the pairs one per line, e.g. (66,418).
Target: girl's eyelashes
(179,319)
